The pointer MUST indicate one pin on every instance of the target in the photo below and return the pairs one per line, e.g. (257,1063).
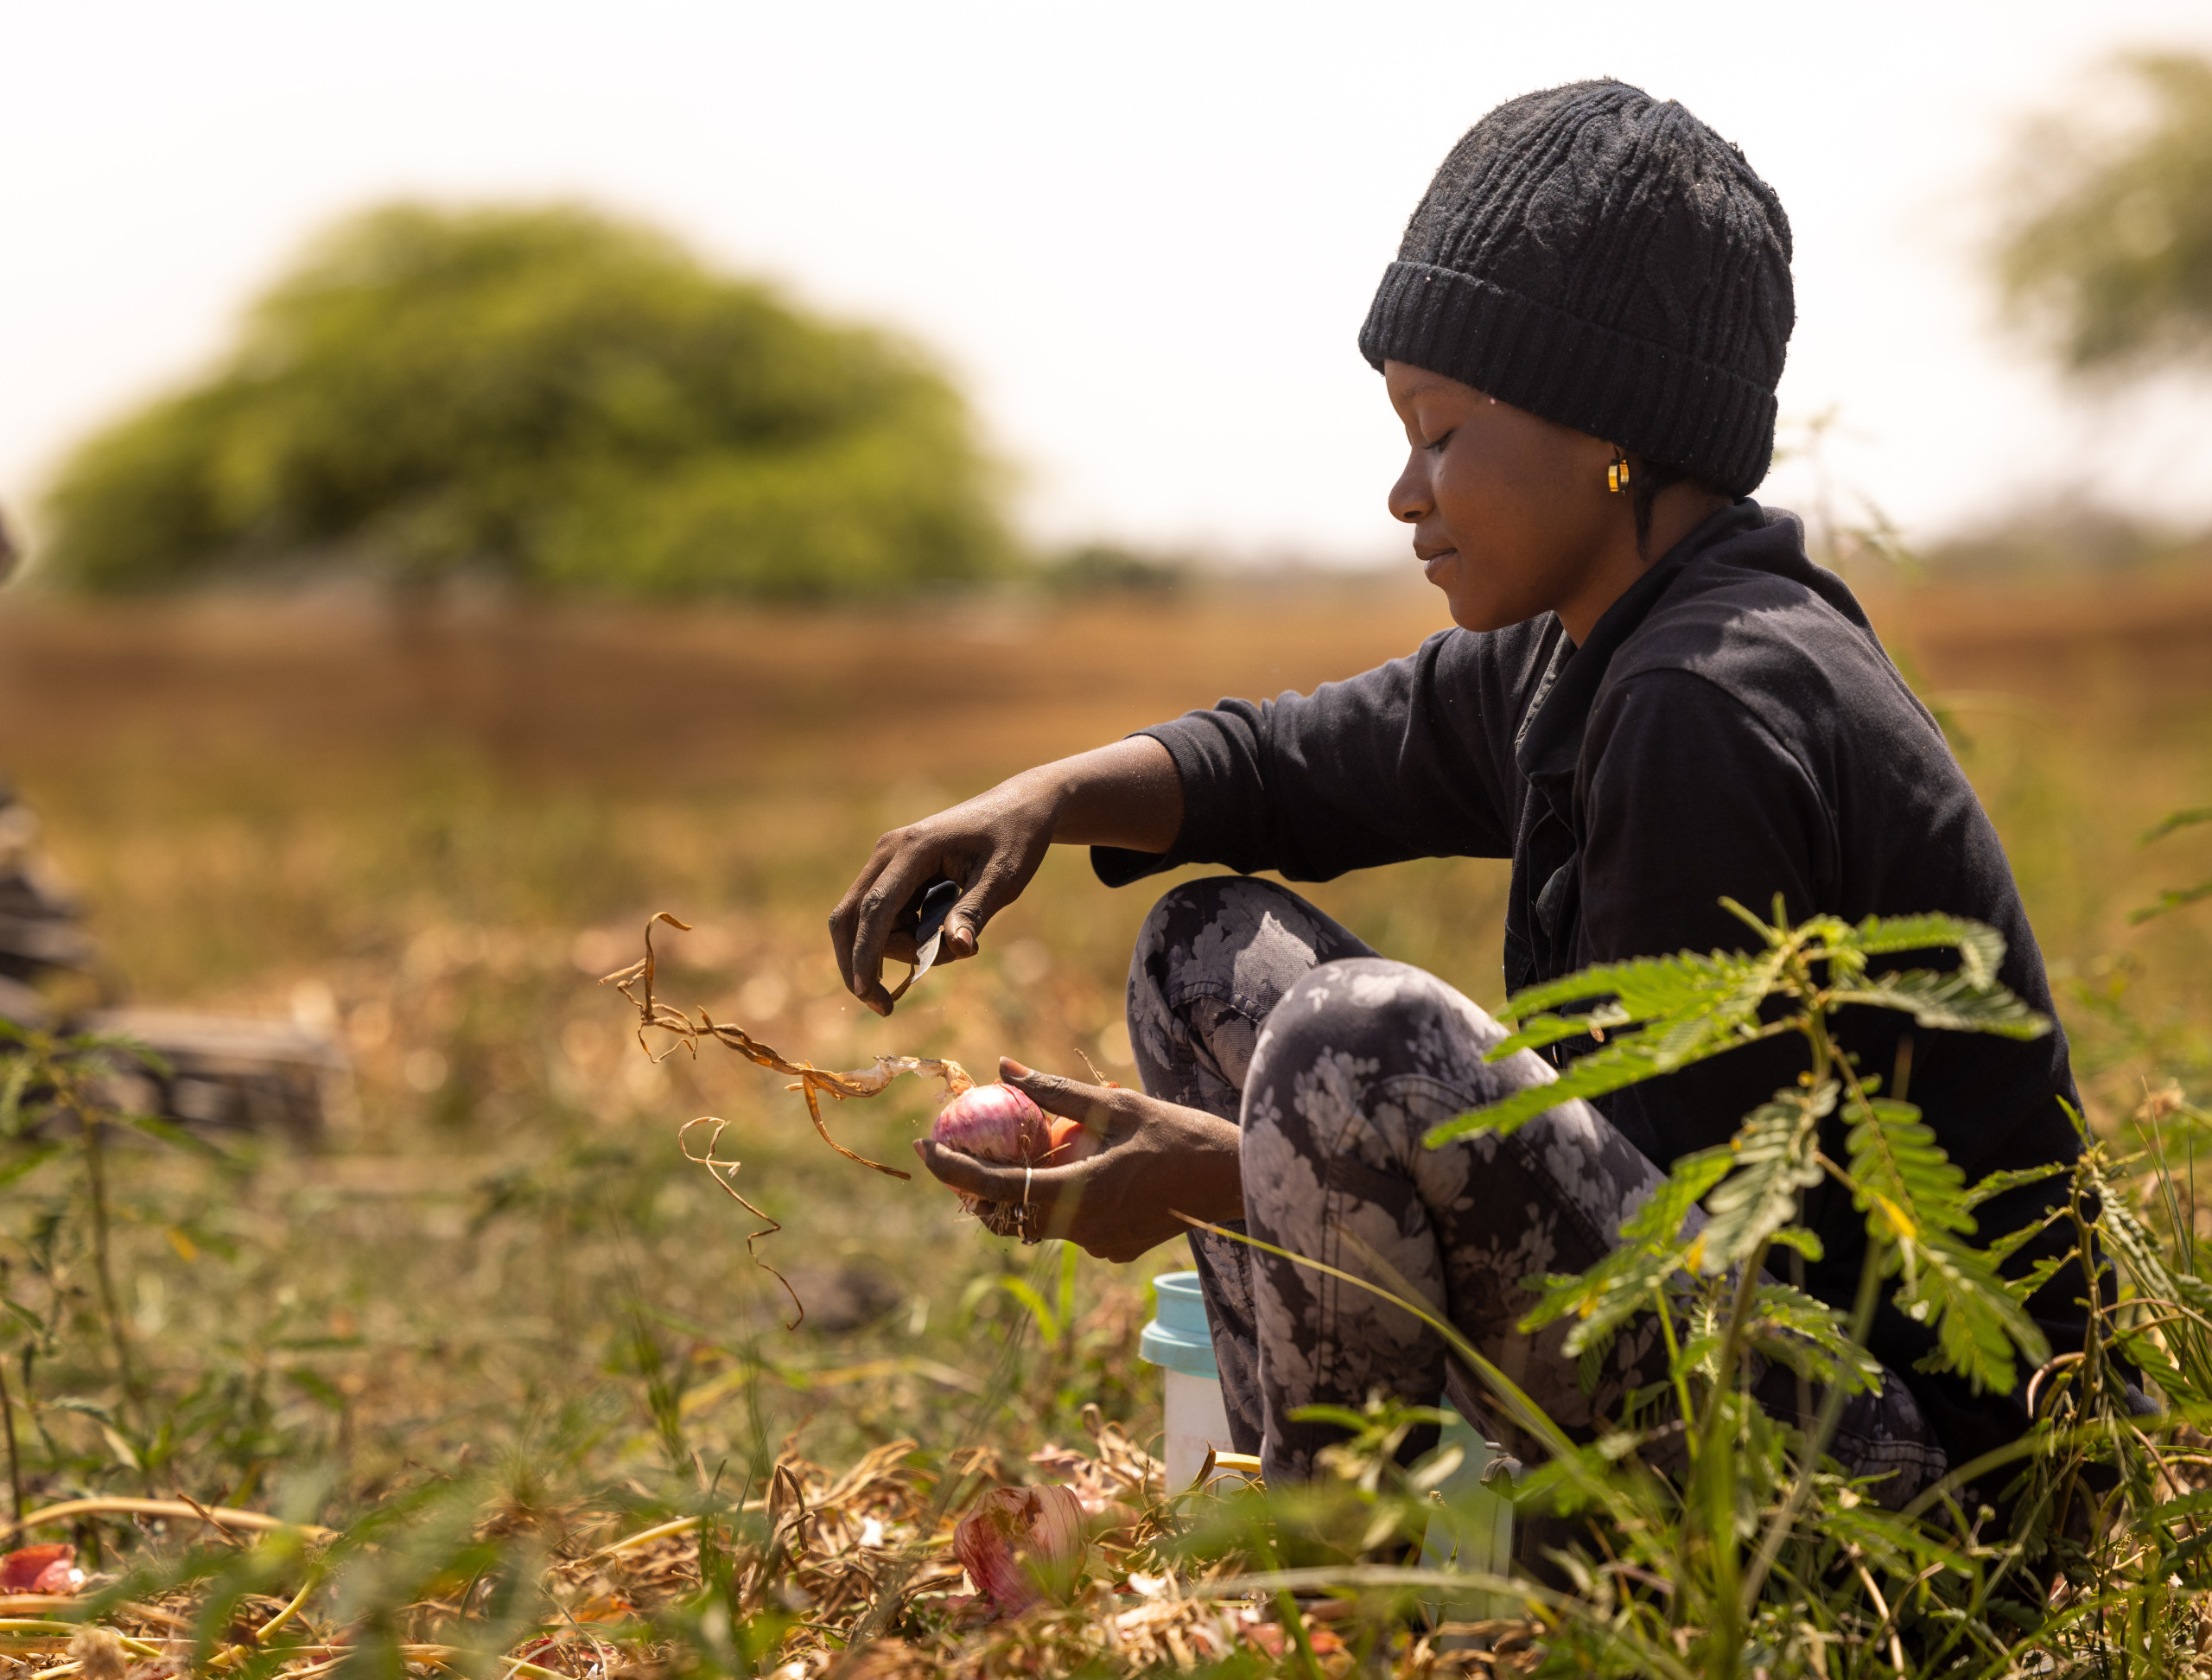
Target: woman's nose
(1409,496)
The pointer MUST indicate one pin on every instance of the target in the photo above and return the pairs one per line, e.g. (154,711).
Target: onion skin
(49,1569)
(994,1123)
(1022,1546)
(1071,1141)
(999,1123)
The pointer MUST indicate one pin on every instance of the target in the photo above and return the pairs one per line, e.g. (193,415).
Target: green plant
(2175,897)
(2107,247)
(1750,1552)
(547,396)
(55,1100)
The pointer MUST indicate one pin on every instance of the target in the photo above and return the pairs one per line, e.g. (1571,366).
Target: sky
(1143,236)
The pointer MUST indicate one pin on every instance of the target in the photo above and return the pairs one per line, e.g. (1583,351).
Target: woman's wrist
(1126,794)
(1217,1173)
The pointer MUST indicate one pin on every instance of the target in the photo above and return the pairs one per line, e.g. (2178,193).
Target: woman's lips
(1435,562)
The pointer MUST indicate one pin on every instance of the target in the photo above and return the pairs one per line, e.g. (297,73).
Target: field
(432,827)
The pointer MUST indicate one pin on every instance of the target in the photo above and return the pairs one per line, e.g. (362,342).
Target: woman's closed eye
(1437,447)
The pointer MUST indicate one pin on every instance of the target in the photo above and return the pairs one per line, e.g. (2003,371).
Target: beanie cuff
(1712,423)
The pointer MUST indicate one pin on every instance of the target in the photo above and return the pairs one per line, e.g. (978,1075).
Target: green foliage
(1687,1008)
(1914,1199)
(1772,1158)
(2108,251)
(2175,897)
(1097,568)
(1748,1552)
(547,396)
(1696,1536)
(1762,1543)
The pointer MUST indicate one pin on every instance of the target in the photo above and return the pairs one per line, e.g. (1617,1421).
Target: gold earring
(1617,475)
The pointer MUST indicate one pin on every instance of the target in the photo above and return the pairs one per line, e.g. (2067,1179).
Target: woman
(1653,699)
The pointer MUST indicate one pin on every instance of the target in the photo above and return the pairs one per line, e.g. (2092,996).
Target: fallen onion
(1022,1546)
(48,1568)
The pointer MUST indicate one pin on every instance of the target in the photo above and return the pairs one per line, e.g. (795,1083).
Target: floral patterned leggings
(1247,1002)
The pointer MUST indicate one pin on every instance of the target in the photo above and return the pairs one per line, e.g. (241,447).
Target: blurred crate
(19,1004)
(40,915)
(226,1076)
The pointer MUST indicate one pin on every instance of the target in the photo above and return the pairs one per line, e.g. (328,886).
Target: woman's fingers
(1069,1098)
(869,913)
(997,882)
(989,1181)
(845,919)
(991,845)
(898,946)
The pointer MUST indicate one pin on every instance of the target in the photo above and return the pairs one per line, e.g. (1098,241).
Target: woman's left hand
(1155,1161)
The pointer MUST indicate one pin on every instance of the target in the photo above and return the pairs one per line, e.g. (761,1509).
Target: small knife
(929,932)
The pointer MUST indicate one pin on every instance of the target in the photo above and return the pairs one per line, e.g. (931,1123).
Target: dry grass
(437,829)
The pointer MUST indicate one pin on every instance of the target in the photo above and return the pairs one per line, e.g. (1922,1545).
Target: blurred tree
(543,394)
(2108,252)
(1112,569)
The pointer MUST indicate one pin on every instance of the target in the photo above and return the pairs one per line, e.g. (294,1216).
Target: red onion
(1021,1545)
(49,1569)
(999,1122)
(994,1123)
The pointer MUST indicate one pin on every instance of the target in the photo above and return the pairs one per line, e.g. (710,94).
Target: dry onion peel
(1022,1546)
(635,983)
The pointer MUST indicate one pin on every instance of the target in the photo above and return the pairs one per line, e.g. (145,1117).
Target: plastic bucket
(1471,1533)
(1179,1342)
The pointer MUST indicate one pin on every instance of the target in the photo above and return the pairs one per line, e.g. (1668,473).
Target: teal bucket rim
(1179,1336)
(1160,1345)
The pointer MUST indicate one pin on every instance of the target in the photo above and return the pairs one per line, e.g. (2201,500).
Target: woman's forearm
(1126,794)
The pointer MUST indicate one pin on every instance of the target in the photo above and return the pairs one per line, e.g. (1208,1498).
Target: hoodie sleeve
(1398,762)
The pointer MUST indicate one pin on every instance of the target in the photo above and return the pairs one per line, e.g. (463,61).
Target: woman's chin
(1471,609)
(1482,615)
(1469,612)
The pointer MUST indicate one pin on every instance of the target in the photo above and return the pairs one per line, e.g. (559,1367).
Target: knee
(1214,934)
(1210,901)
(1389,1012)
(1381,1047)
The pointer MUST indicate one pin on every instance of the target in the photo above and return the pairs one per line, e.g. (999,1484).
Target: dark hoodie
(1733,727)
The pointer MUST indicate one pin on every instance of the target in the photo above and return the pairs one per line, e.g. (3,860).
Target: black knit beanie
(1607,262)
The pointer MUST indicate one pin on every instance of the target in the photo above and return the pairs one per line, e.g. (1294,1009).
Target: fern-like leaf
(1953,1002)
(1540,1030)
(2129,1241)
(1977,1321)
(1624,1061)
(1774,1155)
(1793,1328)
(1693,1008)
(1990,1185)
(1981,947)
(1903,1177)
(1653,1247)
(1647,986)
(1913,1197)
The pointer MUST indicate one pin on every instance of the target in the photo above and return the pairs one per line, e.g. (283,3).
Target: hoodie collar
(1550,743)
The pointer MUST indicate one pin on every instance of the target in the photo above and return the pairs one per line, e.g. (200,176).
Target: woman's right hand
(991,845)
(1127,794)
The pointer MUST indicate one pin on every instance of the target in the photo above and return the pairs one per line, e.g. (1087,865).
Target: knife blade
(929,932)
